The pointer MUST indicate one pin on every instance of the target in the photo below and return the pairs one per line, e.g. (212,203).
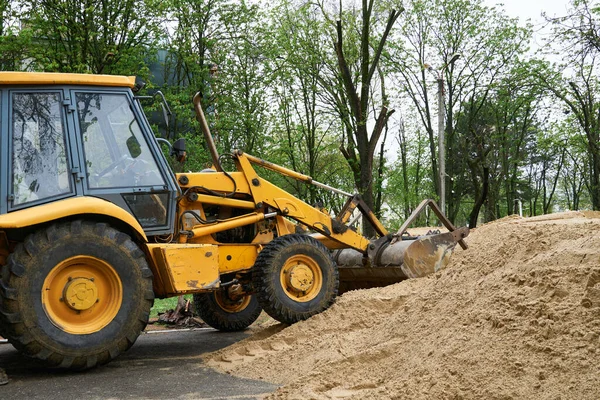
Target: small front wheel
(225,311)
(294,278)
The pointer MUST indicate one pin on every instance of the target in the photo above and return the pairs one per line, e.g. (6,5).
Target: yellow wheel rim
(82,295)
(301,278)
(229,305)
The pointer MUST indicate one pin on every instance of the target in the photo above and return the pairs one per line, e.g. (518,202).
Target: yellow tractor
(94,225)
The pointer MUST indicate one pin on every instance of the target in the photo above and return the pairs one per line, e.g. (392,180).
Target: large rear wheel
(294,278)
(75,295)
(226,311)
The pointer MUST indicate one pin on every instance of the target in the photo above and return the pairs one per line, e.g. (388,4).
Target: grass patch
(162,305)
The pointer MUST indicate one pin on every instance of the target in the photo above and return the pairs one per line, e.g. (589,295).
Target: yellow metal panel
(289,208)
(237,257)
(67,208)
(235,222)
(225,201)
(278,168)
(50,78)
(329,243)
(188,267)
(161,282)
(217,181)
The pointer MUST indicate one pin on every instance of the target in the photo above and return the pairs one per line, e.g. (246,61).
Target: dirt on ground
(517,315)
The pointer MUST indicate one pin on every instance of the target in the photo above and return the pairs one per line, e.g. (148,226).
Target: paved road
(164,365)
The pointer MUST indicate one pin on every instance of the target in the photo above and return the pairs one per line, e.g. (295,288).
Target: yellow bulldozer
(94,225)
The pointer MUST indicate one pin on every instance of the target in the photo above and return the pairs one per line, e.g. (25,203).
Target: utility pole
(441,143)
(442,129)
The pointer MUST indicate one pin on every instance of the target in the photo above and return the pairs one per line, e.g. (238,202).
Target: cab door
(121,160)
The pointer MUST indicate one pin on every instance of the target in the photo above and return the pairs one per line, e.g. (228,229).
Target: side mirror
(166,110)
(165,114)
(134,147)
(178,150)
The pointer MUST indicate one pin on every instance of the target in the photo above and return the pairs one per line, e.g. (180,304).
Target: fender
(68,208)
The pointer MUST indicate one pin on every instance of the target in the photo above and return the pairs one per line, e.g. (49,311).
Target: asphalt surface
(161,365)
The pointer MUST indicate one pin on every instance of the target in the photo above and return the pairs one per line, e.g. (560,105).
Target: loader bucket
(392,262)
(428,254)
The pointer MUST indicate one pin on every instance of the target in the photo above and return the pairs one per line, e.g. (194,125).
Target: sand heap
(515,316)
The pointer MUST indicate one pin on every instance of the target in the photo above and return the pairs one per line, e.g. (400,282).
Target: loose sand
(515,316)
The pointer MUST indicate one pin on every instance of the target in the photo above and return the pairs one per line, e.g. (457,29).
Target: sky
(532,8)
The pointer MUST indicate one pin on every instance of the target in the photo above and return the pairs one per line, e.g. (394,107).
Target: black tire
(277,261)
(103,262)
(218,310)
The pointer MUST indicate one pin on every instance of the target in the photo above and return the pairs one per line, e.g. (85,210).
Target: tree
(14,41)
(575,81)
(306,128)
(434,32)
(240,89)
(353,97)
(110,37)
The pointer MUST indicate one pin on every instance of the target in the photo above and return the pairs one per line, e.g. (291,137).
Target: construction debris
(181,316)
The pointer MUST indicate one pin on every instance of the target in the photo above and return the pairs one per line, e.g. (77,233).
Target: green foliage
(575,82)
(274,84)
(111,37)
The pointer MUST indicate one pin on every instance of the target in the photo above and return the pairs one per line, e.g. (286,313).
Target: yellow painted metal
(301,278)
(237,257)
(226,202)
(259,194)
(290,208)
(68,208)
(230,223)
(217,182)
(329,243)
(277,168)
(269,194)
(82,295)
(284,226)
(186,268)
(51,78)
(376,223)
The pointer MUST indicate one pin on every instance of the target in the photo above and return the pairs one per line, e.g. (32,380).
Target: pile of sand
(517,315)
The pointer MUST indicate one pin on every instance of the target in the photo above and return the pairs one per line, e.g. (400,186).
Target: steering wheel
(96,177)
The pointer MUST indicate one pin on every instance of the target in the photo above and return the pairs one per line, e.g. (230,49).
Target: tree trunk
(480,199)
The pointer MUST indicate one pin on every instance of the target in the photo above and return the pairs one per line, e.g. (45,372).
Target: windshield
(116,152)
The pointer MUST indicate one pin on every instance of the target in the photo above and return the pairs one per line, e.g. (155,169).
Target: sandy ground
(515,316)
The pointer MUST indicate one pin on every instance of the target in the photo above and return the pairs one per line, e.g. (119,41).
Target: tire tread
(263,270)
(10,316)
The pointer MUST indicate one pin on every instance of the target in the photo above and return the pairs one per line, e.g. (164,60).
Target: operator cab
(80,135)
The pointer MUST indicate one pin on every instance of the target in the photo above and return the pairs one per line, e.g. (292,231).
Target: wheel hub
(300,277)
(80,293)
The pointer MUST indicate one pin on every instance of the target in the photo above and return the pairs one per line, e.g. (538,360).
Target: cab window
(39,158)
(116,152)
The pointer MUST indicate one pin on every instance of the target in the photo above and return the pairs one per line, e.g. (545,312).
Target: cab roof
(52,78)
